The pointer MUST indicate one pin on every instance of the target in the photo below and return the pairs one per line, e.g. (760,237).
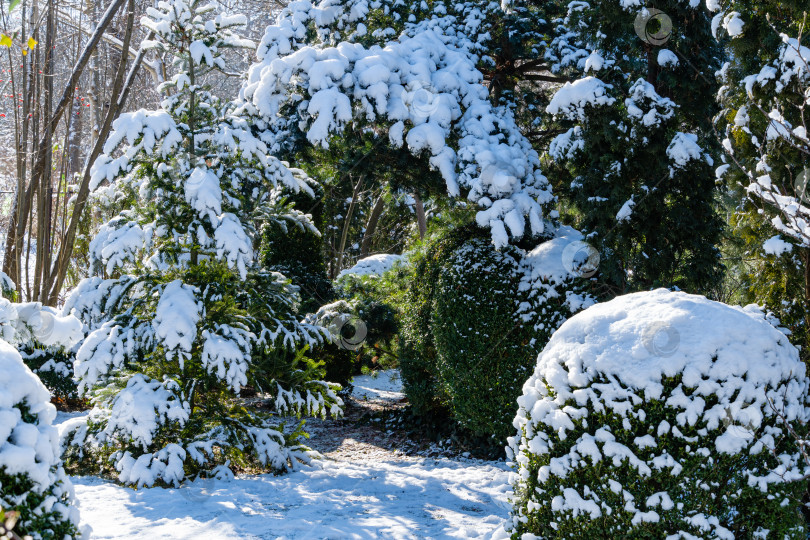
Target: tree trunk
(652,66)
(45,194)
(73,141)
(421,219)
(371,226)
(95,80)
(805,256)
(346,225)
(42,147)
(121,87)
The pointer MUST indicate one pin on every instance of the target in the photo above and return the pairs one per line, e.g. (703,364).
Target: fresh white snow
(373,265)
(383,385)
(776,246)
(667,58)
(733,24)
(626,211)
(640,339)
(404,497)
(411,498)
(570,100)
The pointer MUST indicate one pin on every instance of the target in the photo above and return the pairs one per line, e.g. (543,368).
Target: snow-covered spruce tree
(661,414)
(766,103)
(33,482)
(182,316)
(634,155)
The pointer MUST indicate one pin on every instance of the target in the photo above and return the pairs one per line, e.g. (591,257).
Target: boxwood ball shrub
(32,480)
(661,415)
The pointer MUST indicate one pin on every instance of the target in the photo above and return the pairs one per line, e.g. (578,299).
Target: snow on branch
(423,86)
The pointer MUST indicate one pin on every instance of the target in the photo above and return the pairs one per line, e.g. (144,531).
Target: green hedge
(473,325)
(482,345)
(418,356)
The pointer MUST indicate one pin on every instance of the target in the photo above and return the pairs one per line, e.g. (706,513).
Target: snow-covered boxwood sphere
(661,415)
(32,480)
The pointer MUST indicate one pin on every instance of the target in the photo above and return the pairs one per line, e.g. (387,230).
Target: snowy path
(361,490)
(423,498)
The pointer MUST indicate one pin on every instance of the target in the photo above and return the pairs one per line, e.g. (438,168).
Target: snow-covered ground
(419,498)
(401,497)
(383,385)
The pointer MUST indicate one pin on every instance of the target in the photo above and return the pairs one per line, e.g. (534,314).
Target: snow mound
(640,339)
(374,265)
(30,457)
(665,386)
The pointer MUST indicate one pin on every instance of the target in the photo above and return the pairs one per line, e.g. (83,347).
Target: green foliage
(469,339)
(49,525)
(778,282)
(298,252)
(378,301)
(616,153)
(485,351)
(364,160)
(710,483)
(364,323)
(218,430)
(54,367)
(7,288)
(517,43)
(340,364)
(418,357)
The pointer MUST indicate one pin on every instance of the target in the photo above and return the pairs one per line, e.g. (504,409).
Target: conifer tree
(764,123)
(183,315)
(405,77)
(635,152)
